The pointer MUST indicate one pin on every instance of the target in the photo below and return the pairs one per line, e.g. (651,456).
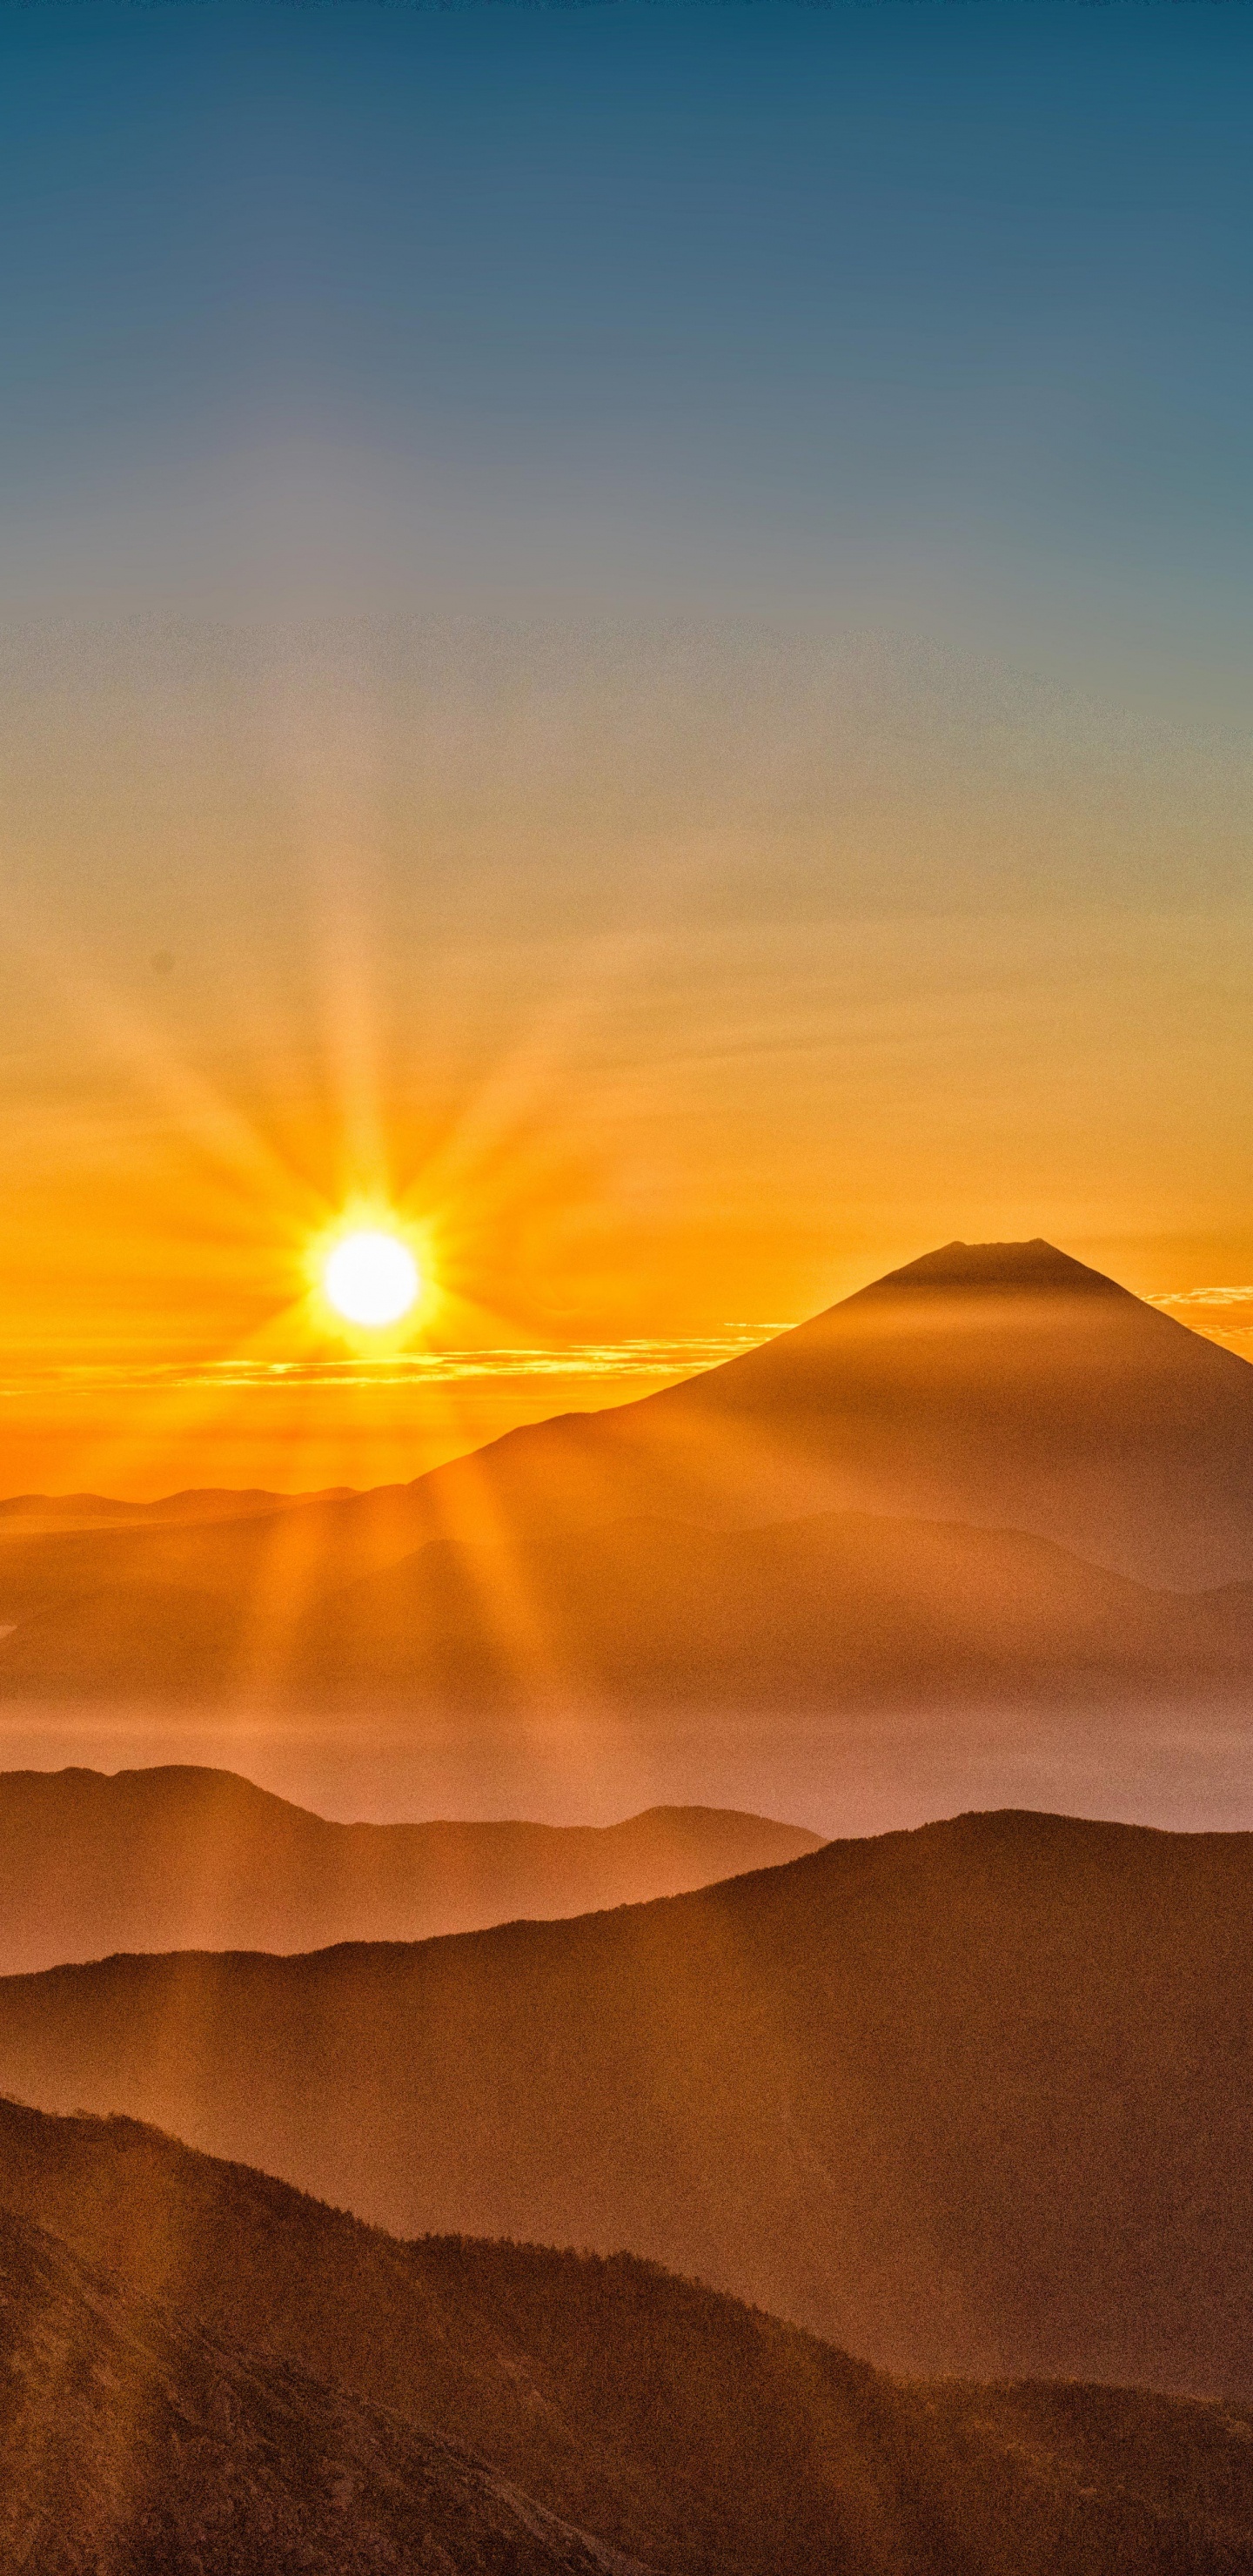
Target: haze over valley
(980,1535)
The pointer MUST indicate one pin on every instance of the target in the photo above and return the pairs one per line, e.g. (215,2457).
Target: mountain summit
(1003,1384)
(852,1511)
(1037,1266)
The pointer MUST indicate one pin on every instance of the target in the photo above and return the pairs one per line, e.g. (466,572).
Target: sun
(371,1278)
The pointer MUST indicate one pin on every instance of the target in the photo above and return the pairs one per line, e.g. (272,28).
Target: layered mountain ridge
(969,2100)
(181,1858)
(993,1473)
(974,2099)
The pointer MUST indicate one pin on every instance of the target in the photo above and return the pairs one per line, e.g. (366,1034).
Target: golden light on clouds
(1223,1315)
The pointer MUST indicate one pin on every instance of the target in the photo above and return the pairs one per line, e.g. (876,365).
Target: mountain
(844,1513)
(207,2371)
(974,2099)
(199,1503)
(179,1858)
(131,2442)
(843,1610)
(1004,1385)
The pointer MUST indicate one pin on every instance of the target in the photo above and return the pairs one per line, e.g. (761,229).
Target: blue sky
(725,303)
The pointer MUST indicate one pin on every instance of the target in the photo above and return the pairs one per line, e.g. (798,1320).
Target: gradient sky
(626,629)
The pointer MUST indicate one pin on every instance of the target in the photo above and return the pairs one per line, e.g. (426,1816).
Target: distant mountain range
(207,2374)
(993,1475)
(977,2098)
(187,1859)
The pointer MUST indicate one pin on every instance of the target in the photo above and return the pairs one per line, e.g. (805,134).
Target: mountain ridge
(536,2390)
(1005,1391)
(145,2442)
(976,2098)
(183,1857)
(841,1610)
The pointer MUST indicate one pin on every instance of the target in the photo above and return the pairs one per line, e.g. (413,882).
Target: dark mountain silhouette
(180,1858)
(204,2357)
(977,2098)
(917,1439)
(131,2442)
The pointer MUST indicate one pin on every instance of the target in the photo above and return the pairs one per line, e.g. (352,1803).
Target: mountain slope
(180,1858)
(1001,1384)
(977,2098)
(674,2425)
(131,2442)
(1002,1388)
(843,1610)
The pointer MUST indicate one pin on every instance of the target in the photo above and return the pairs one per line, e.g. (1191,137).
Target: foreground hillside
(204,2371)
(180,1858)
(133,2443)
(977,2098)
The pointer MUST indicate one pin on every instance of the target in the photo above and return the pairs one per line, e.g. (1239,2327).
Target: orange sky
(611,966)
(625,631)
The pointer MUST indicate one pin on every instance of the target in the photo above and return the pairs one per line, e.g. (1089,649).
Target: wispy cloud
(1223,1314)
(1203,1297)
(637,1358)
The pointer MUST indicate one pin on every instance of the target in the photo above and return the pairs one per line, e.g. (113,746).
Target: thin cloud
(633,1358)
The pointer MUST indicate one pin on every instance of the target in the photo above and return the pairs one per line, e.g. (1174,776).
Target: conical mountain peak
(1037,1267)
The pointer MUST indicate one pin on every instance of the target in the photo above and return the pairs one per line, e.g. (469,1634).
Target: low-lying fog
(838,1775)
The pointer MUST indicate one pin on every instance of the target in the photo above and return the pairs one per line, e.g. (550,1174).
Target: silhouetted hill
(180,1858)
(195,1503)
(208,2349)
(131,2443)
(977,2098)
(907,1435)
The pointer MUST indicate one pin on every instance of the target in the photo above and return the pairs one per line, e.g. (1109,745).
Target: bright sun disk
(371,1278)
